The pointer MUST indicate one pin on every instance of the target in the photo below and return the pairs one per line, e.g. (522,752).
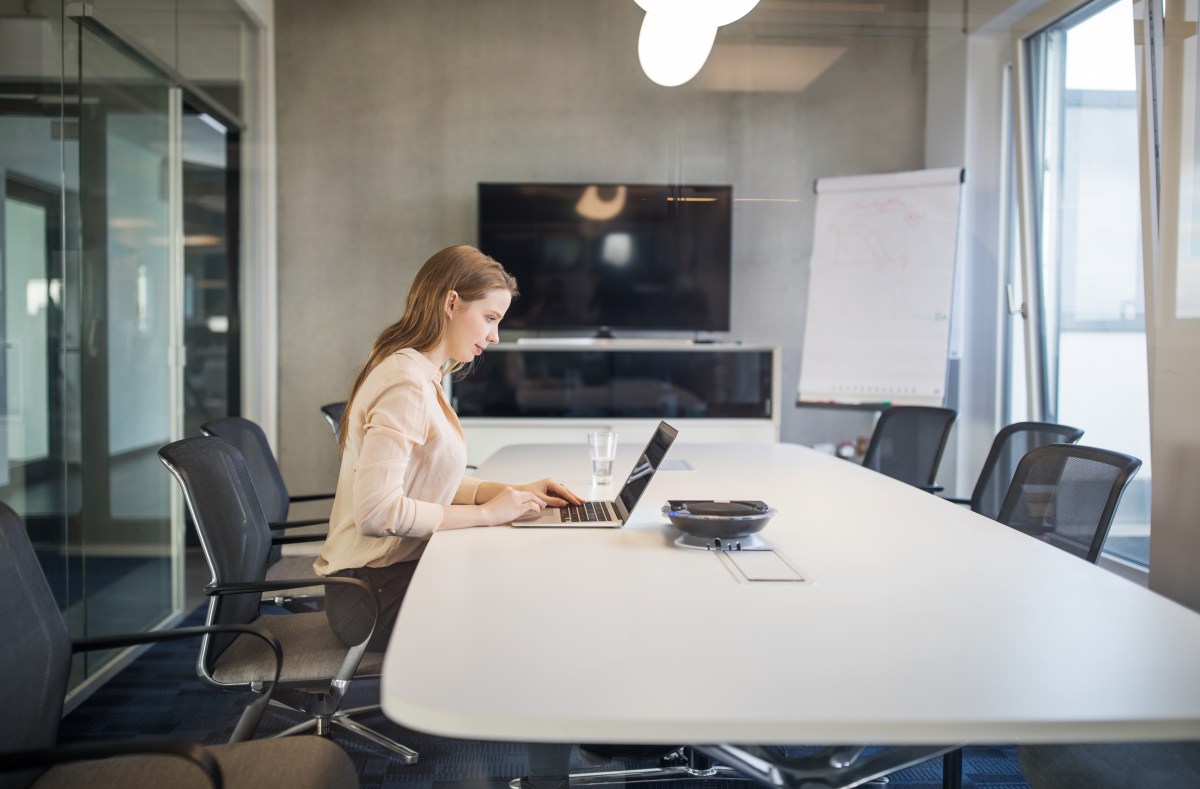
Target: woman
(402,446)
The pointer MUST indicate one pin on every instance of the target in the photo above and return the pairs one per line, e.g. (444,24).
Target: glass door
(1090,352)
(127,543)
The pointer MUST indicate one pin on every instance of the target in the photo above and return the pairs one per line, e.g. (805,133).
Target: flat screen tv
(612,256)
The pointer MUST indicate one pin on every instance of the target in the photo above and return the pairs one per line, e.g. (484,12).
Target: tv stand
(555,390)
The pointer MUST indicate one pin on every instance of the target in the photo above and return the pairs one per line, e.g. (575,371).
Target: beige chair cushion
(291,762)
(311,652)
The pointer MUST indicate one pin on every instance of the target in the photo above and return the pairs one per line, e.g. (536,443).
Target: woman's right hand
(510,504)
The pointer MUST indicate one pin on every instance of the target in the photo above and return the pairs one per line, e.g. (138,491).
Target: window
(1088,264)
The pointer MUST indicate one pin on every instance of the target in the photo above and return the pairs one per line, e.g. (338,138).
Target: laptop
(611,514)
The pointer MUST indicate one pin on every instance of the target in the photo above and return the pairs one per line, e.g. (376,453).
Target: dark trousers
(349,612)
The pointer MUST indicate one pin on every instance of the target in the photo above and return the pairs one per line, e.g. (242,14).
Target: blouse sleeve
(467,490)
(395,424)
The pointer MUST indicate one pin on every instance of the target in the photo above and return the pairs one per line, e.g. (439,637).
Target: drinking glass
(602,446)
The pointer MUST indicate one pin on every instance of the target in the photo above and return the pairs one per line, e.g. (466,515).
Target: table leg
(952,767)
(549,766)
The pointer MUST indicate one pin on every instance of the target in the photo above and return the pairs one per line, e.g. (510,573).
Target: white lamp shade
(701,13)
(672,53)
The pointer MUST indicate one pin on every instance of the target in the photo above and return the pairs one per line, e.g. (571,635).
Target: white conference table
(919,623)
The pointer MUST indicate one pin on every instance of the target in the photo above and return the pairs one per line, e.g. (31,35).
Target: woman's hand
(556,495)
(510,504)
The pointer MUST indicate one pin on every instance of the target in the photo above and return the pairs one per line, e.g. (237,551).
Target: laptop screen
(647,463)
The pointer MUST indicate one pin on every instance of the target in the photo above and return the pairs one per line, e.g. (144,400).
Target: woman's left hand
(555,494)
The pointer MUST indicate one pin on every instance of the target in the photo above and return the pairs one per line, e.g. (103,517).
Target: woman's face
(474,325)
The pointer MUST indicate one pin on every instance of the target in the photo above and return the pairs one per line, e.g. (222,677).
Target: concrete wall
(389,114)
(965,126)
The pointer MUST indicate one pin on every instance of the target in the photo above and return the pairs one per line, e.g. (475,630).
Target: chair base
(680,765)
(841,767)
(322,726)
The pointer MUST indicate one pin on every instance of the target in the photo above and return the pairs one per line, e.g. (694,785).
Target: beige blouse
(403,461)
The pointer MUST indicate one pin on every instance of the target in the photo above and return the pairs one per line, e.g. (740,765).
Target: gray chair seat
(294,762)
(311,653)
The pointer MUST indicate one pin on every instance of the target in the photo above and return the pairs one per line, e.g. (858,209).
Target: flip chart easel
(877,329)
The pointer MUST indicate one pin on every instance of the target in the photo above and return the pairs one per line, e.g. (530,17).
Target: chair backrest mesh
(333,415)
(1066,495)
(252,442)
(1011,444)
(908,441)
(36,656)
(233,531)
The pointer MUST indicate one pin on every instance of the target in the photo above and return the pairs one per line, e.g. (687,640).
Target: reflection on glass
(32,184)
(208,273)
(27,302)
(128,552)
(86,292)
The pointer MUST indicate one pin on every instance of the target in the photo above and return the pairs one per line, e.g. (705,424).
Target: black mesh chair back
(908,442)
(333,415)
(1066,495)
(1011,444)
(252,443)
(36,656)
(233,530)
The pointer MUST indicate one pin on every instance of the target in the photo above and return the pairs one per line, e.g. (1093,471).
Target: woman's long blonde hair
(462,269)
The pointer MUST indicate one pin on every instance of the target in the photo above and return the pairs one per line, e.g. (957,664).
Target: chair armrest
(252,714)
(283,584)
(297,524)
(956,500)
(181,749)
(930,488)
(298,538)
(310,497)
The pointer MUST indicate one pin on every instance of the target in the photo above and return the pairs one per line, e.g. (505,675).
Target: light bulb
(672,53)
(701,13)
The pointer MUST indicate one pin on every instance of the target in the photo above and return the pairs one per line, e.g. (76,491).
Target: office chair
(1010,445)
(1067,494)
(35,664)
(236,539)
(275,499)
(908,442)
(333,415)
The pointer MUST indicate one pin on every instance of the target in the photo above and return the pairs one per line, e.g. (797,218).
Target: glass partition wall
(118,269)
(127,151)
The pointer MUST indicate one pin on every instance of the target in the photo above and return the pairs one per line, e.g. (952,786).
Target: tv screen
(616,256)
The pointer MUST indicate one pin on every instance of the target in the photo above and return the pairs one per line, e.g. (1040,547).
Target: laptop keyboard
(588,511)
